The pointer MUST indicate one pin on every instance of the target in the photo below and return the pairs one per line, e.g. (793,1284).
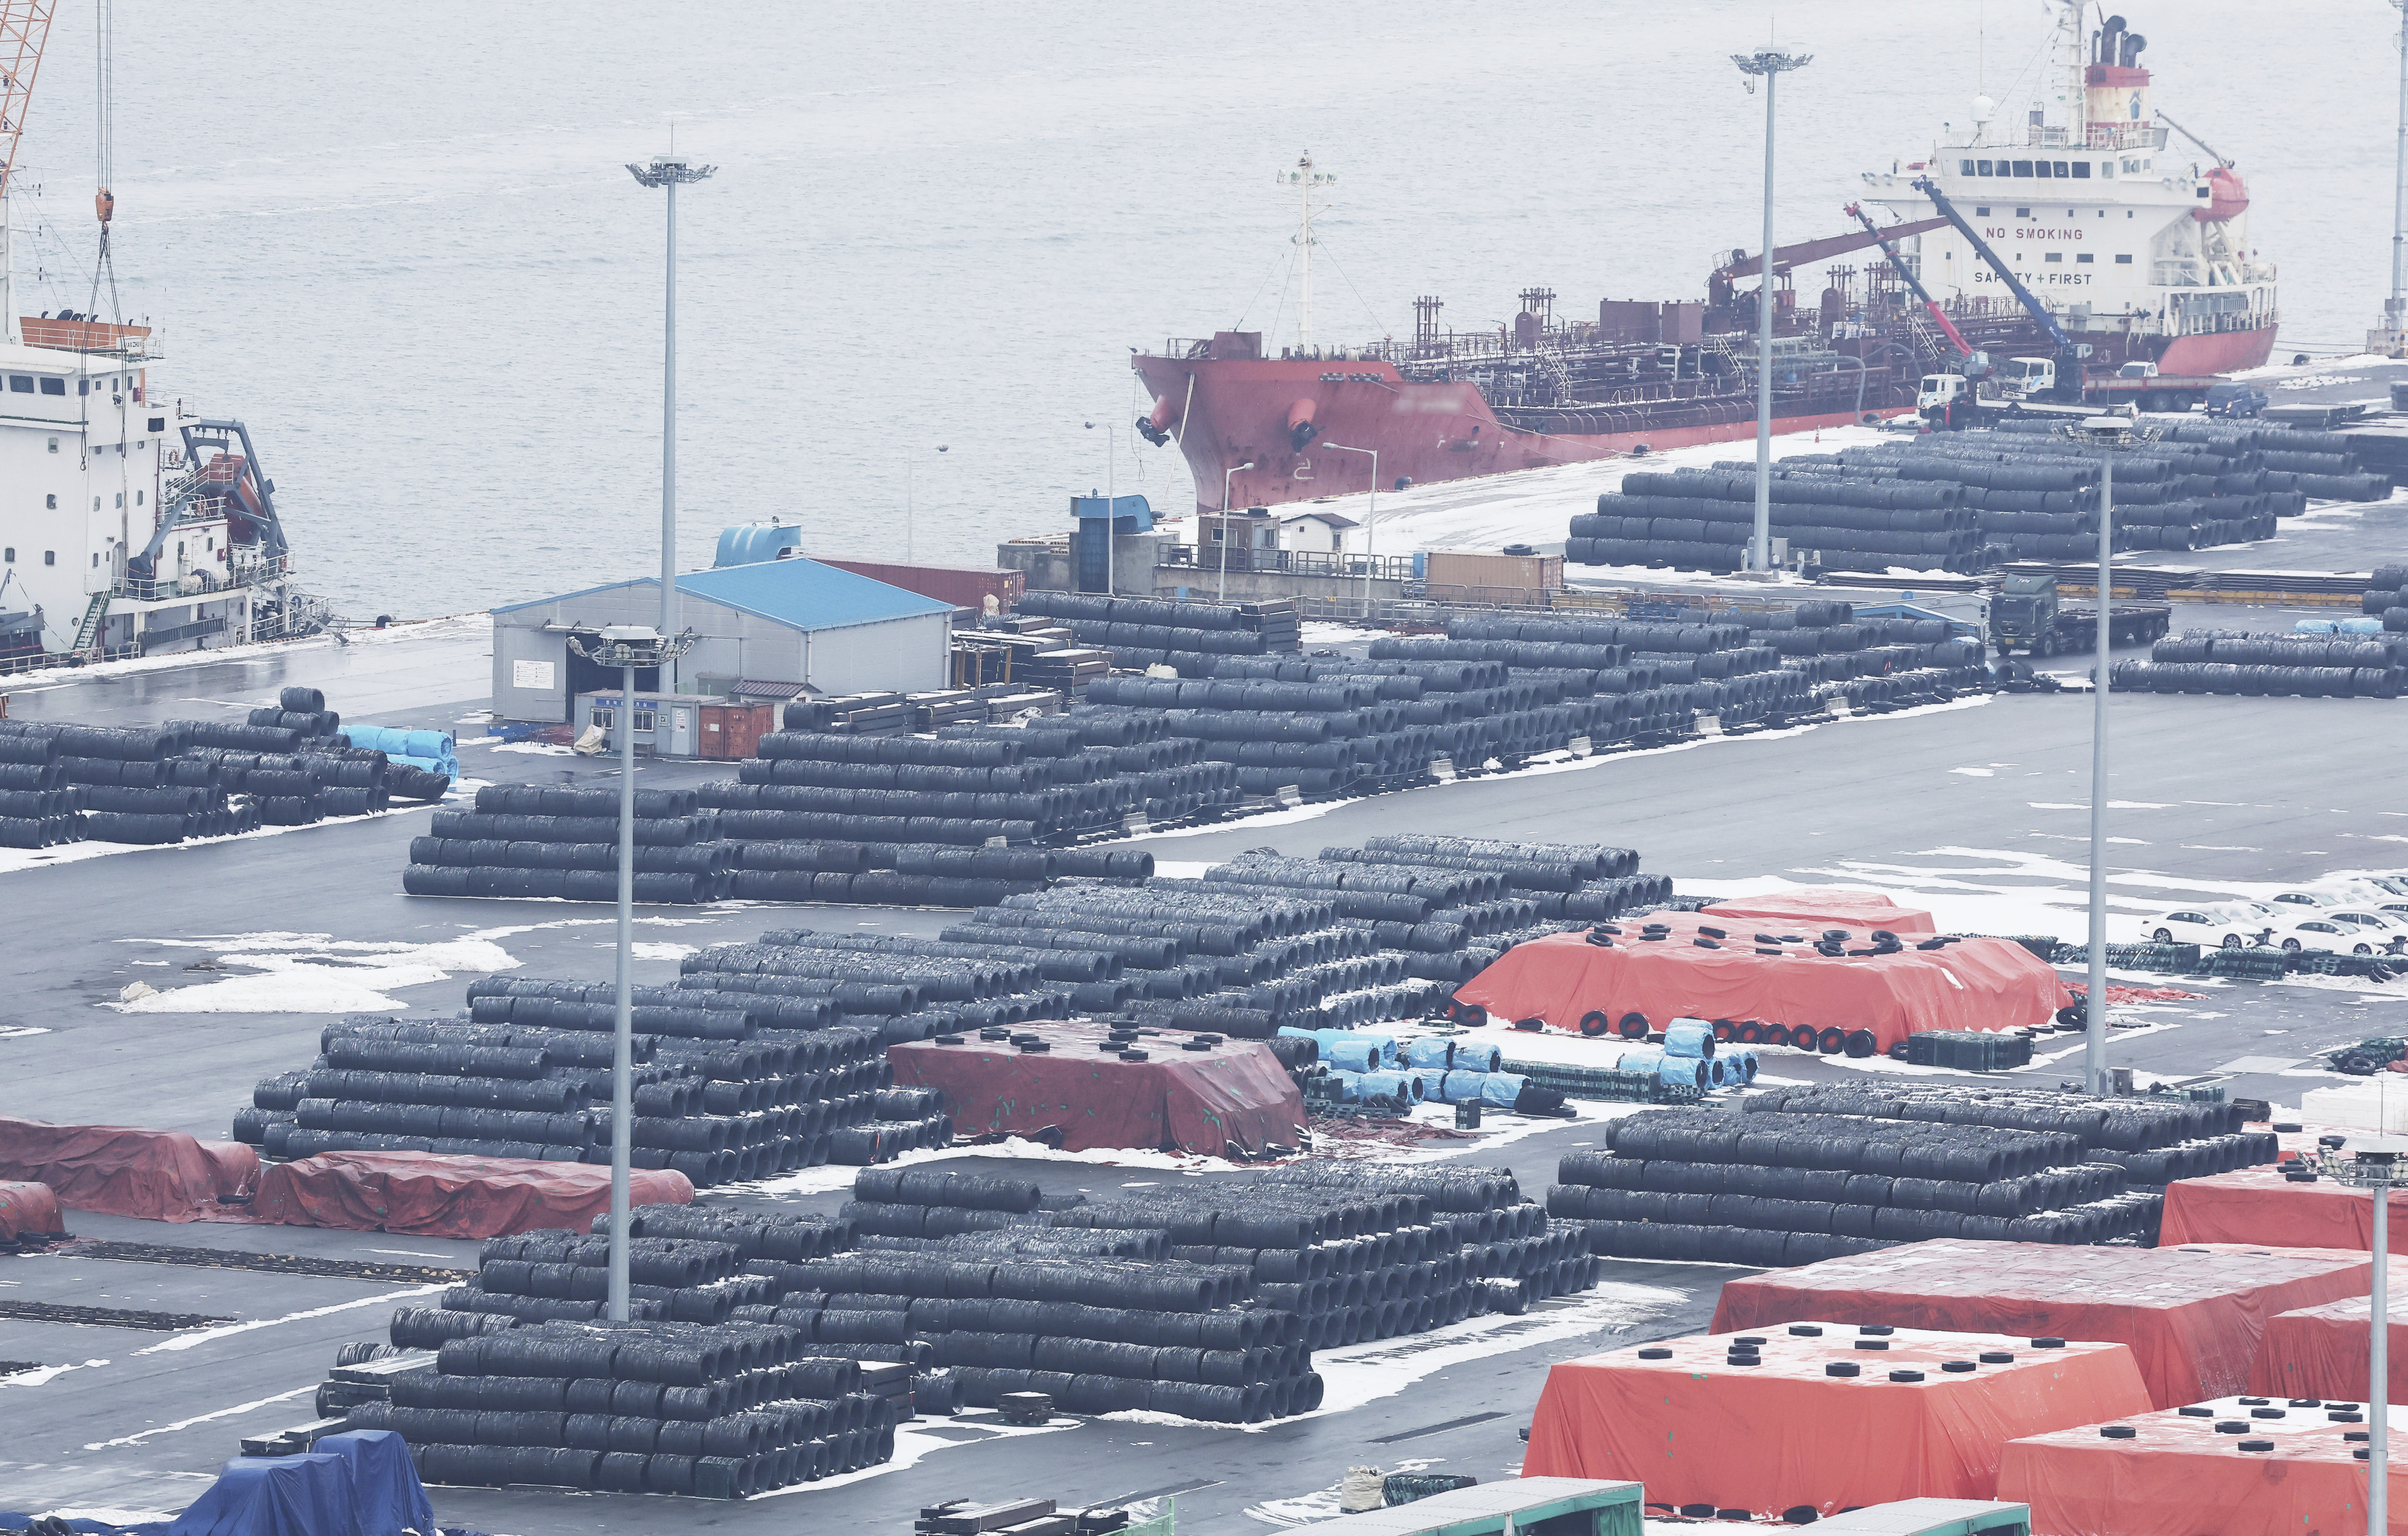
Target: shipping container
(963,586)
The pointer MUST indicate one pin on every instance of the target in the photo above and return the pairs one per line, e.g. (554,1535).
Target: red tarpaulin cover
(1236,1094)
(29,1209)
(2179,1476)
(2320,1351)
(2268,1209)
(1768,1437)
(1827,907)
(125,1170)
(2193,1315)
(440,1195)
(1978,984)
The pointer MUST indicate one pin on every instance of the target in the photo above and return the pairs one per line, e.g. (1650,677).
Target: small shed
(1316,530)
(793,622)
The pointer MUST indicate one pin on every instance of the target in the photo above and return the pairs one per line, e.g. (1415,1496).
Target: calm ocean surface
(398,241)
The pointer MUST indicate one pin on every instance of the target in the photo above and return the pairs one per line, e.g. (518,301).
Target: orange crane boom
(24,27)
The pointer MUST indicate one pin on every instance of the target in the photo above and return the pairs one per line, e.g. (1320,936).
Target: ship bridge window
(2122,261)
(2082,260)
(59,386)
(1981,168)
(50,557)
(2041,167)
(20,383)
(1982,213)
(2023,213)
(2081,170)
(2023,168)
(1965,167)
(2053,256)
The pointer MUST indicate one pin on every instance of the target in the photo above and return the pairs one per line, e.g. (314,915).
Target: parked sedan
(2321,931)
(2226,926)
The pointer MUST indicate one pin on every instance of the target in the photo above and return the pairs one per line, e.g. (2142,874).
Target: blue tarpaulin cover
(276,1495)
(384,1481)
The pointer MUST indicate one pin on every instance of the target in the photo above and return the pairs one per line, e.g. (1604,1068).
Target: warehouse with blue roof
(786,622)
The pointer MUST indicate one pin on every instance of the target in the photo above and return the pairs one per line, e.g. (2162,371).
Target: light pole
(630,648)
(2110,435)
(670,171)
(910,458)
(2395,308)
(2374,1167)
(1770,63)
(1232,474)
(1368,518)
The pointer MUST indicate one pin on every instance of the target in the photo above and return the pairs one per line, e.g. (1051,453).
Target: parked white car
(2224,925)
(2325,931)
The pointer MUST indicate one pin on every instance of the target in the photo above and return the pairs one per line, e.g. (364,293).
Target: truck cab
(2024,609)
(1942,389)
(2137,370)
(2028,378)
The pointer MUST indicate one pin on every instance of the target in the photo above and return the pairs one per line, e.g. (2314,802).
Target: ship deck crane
(1803,254)
(2069,384)
(1906,273)
(24,28)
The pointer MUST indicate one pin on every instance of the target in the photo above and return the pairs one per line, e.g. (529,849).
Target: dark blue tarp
(276,1495)
(391,1498)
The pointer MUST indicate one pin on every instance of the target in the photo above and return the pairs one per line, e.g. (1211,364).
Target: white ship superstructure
(2140,247)
(128,524)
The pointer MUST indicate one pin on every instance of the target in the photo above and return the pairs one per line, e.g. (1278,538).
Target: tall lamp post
(1368,518)
(910,458)
(1222,591)
(628,647)
(670,171)
(1769,64)
(2110,436)
(2374,1165)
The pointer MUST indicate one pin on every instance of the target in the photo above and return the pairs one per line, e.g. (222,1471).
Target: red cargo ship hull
(1228,412)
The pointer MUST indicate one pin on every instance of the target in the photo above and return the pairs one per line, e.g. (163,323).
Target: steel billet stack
(2229,662)
(1143,632)
(2154,1140)
(1703,518)
(526,842)
(727,1088)
(2384,600)
(518,1379)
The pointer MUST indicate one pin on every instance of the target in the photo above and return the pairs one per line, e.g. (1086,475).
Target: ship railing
(1338,563)
(203,584)
(12,666)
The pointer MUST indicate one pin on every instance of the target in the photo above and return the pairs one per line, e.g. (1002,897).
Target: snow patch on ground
(915,1439)
(318,973)
(43,1374)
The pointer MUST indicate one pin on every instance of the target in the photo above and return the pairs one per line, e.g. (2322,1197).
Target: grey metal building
(792,622)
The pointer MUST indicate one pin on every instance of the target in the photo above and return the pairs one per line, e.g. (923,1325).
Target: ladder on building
(95,614)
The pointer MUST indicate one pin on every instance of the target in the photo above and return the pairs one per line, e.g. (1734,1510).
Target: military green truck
(2027,616)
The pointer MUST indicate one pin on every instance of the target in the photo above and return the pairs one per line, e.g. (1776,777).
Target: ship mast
(24,26)
(1306,180)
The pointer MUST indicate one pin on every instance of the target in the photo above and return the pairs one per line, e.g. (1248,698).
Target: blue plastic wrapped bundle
(1480,1056)
(2364,624)
(1742,1065)
(1689,1037)
(1501,1088)
(1362,1053)
(1718,1071)
(1432,1051)
(2312,626)
(1679,1071)
(1401,1085)
(1349,1085)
